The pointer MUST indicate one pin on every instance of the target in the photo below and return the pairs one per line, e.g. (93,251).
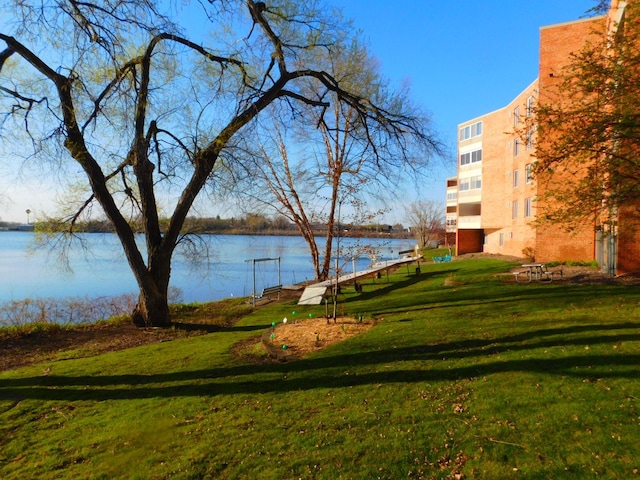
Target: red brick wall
(469,241)
(557,43)
(554,243)
(628,260)
(495,151)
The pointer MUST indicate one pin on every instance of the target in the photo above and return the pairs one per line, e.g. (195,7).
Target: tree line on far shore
(247,224)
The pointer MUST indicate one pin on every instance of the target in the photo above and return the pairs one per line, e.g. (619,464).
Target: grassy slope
(483,378)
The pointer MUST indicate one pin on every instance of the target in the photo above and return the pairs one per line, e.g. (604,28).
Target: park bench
(265,295)
(267,291)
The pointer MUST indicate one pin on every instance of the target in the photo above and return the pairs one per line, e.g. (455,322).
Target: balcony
(469,222)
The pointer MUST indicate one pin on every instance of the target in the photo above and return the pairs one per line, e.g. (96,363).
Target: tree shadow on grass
(370,294)
(529,298)
(428,363)
(210,328)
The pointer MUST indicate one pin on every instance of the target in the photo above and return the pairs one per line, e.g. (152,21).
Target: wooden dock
(313,294)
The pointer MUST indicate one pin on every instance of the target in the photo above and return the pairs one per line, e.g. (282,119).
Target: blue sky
(462,59)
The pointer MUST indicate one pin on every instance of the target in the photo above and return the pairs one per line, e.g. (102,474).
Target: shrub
(70,310)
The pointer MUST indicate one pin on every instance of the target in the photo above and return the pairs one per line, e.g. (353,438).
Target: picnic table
(531,271)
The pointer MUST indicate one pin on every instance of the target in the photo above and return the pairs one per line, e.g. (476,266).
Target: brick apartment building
(491,203)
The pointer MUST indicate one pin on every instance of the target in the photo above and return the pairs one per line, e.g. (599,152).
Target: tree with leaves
(588,131)
(115,97)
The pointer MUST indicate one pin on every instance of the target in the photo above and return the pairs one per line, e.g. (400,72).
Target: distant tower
(28,213)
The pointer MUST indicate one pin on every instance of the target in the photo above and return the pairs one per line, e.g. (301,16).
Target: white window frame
(516,178)
(530,105)
(527,207)
(528,173)
(470,131)
(473,156)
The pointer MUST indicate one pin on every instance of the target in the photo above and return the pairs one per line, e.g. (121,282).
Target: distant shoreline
(18,228)
(274,233)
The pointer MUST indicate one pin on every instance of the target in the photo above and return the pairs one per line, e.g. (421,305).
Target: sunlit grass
(477,378)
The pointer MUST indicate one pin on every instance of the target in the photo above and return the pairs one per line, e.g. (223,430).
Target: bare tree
(332,163)
(114,89)
(425,219)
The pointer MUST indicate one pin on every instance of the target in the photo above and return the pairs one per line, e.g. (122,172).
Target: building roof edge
(579,20)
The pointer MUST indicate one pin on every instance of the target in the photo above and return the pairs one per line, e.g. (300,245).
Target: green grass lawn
(464,376)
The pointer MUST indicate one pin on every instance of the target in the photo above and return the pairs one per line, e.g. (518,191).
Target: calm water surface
(26,272)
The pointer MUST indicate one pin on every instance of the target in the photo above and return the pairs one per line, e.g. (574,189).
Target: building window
(528,173)
(527,207)
(516,116)
(502,239)
(516,147)
(514,209)
(515,178)
(470,131)
(529,144)
(472,183)
(452,196)
(471,157)
(530,106)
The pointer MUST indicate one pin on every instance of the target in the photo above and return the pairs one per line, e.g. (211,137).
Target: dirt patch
(497,256)
(300,338)
(294,340)
(80,342)
(588,276)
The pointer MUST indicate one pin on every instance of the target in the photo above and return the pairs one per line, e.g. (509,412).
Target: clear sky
(462,58)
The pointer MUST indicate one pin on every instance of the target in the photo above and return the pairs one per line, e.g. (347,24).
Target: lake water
(35,273)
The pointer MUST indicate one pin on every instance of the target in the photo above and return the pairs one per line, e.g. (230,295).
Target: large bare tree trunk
(152,309)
